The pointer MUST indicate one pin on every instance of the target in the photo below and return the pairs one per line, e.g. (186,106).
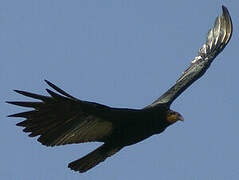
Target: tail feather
(92,159)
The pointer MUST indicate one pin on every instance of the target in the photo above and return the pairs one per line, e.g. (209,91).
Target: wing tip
(228,19)
(11,115)
(49,83)
(15,115)
(19,91)
(225,10)
(9,102)
(59,90)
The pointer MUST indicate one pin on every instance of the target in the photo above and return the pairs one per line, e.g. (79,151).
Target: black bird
(61,119)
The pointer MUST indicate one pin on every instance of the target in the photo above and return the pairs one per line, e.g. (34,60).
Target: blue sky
(122,53)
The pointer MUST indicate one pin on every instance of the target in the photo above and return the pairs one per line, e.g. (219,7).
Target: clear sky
(122,53)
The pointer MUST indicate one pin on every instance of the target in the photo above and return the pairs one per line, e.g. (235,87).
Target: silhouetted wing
(63,119)
(217,39)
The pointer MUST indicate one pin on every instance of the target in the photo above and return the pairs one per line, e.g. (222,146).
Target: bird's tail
(92,159)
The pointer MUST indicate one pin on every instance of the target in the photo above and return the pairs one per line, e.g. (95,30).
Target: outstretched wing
(217,39)
(63,119)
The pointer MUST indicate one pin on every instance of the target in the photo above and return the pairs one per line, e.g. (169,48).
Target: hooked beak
(180,118)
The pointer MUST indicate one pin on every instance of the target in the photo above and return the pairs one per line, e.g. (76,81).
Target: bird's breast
(134,131)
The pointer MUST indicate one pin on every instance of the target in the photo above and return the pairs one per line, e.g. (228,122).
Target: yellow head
(173,116)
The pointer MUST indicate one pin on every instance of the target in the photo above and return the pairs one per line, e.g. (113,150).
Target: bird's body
(61,119)
(136,125)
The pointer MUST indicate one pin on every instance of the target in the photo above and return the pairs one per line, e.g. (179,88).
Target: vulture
(60,119)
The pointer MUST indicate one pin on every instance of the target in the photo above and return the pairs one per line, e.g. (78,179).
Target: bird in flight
(60,118)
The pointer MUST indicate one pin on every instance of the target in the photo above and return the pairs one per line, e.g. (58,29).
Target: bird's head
(173,117)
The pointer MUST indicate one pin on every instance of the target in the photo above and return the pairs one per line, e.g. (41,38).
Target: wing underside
(63,119)
(217,38)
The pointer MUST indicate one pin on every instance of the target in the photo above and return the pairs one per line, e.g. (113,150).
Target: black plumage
(61,119)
